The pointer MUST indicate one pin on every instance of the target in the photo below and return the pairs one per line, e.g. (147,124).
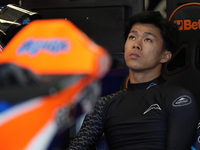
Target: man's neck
(141,77)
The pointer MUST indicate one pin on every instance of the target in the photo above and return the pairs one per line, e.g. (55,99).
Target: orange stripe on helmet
(186,4)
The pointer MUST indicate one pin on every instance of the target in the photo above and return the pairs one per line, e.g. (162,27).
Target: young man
(151,114)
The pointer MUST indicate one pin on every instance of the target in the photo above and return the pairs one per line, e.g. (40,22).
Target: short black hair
(168,30)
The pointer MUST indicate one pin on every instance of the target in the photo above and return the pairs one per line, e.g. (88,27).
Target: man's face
(144,48)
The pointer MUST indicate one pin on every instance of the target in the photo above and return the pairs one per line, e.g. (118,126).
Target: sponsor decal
(198,139)
(153,106)
(198,126)
(53,46)
(188,24)
(182,101)
(150,85)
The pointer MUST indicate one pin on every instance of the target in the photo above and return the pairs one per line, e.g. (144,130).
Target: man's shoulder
(105,101)
(172,86)
(112,96)
(173,89)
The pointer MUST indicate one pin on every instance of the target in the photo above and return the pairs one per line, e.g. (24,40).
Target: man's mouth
(134,55)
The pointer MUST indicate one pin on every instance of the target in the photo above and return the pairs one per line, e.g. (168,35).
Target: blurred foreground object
(12,19)
(48,75)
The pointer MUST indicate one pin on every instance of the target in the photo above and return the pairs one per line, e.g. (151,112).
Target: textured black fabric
(92,127)
(147,116)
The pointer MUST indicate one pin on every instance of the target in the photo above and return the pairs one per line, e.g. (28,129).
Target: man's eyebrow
(150,33)
(133,31)
(145,33)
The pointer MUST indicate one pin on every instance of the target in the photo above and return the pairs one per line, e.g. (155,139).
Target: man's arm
(90,131)
(182,114)
(89,134)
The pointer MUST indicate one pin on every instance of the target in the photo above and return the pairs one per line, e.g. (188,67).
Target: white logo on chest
(153,106)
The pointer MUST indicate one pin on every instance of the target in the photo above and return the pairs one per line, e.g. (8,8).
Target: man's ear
(166,56)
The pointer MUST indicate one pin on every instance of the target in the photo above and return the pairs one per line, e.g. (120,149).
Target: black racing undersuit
(148,116)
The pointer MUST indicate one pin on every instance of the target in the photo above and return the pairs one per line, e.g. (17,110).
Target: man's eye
(132,37)
(148,40)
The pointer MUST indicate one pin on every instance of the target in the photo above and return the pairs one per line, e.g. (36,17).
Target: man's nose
(137,45)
